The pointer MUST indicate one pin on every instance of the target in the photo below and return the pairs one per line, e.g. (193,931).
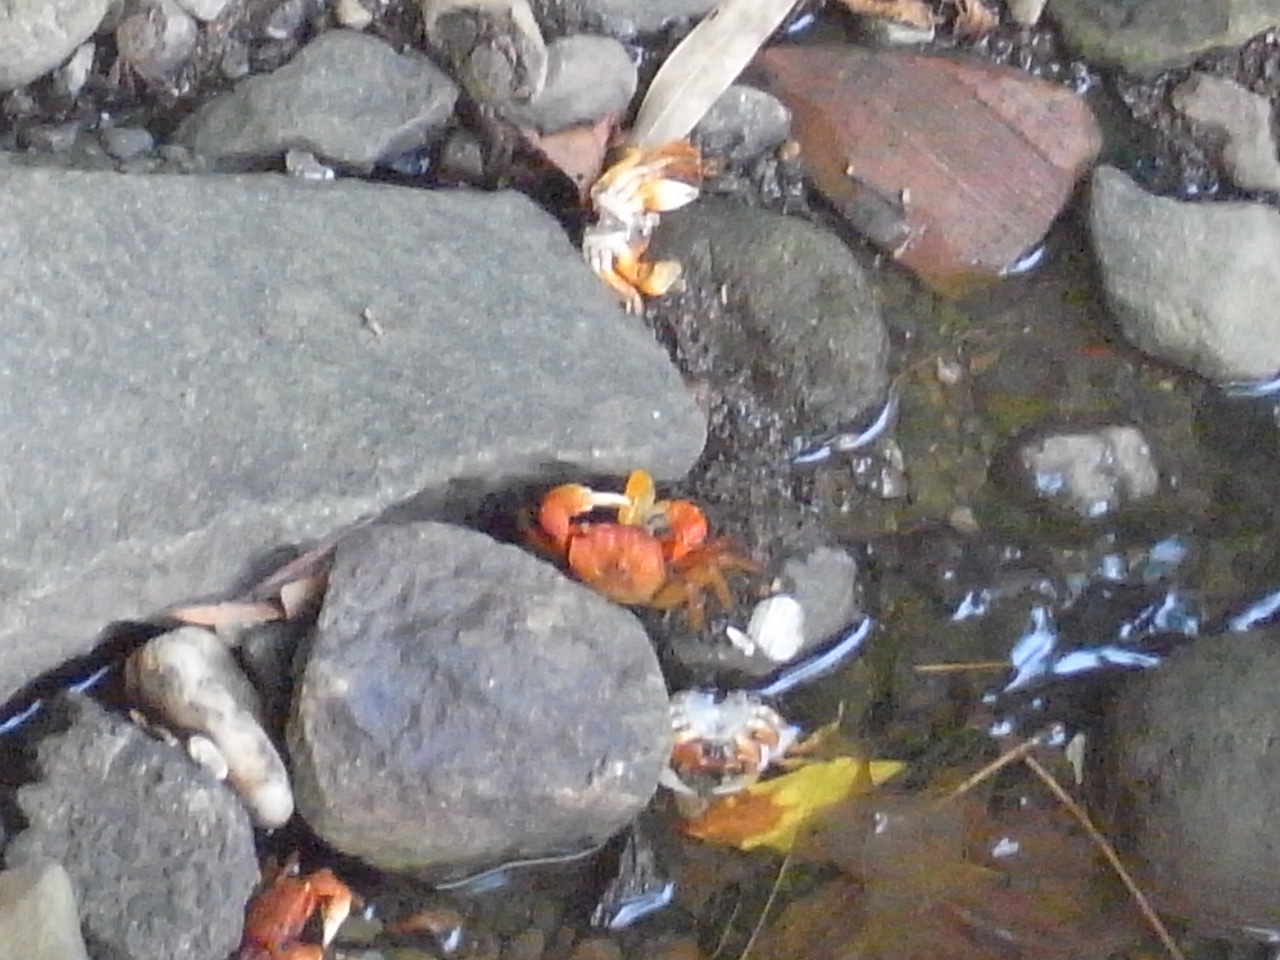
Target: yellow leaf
(770,813)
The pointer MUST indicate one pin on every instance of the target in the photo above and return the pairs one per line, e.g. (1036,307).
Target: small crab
(627,200)
(653,553)
(723,742)
(279,913)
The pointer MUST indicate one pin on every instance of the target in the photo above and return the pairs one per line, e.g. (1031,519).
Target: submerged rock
(464,704)
(160,853)
(191,380)
(1187,776)
(1192,283)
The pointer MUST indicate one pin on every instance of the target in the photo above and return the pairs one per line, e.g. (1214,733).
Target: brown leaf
(974,19)
(913,13)
(300,597)
(578,151)
(226,614)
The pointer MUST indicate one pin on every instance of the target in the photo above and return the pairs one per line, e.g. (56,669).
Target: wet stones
(1191,283)
(349,98)
(156,848)
(1186,774)
(463,703)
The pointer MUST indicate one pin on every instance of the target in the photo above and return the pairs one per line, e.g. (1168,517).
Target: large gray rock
(347,97)
(1148,35)
(1193,283)
(1188,777)
(463,704)
(161,854)
(39,919)
(187,382)
(37,35)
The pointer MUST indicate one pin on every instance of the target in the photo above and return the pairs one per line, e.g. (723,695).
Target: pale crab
(723,742)
(627,200)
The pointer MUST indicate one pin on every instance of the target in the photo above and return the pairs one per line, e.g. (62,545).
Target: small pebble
(157,39)
(596,948)
(75,72)
(124,143)
(352,14)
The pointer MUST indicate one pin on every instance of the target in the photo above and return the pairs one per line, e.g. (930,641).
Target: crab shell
(722,743)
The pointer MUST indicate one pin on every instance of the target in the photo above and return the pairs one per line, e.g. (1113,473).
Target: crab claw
(335,899)
(567,501)
(659,196)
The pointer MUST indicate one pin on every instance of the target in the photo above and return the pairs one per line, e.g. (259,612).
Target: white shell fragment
(776,629)
(190,683)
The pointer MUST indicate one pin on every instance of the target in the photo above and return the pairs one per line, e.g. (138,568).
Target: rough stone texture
(161,855)
(1243,118)
(1188,770)
(464,704)
(1145,36)
(982,188)
(808,323)
(588,77)
(1192,283)
(623,18)
(742,124)
(187,382)
(347,97)
(39,919)
(37,35)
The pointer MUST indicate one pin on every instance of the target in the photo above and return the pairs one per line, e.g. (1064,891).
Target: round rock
(463,704)
(37,35)
(1187,774)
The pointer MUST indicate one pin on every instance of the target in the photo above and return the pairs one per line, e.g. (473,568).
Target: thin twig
(768,905)
(1108,851)
(999,763)
(962,667)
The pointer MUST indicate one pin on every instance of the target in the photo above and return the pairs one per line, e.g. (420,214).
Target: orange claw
(279,913)
(562,506)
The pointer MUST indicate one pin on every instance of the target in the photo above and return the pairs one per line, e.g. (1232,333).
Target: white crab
(723,742)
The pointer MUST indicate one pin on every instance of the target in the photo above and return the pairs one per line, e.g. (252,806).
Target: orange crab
(627,200)
(654,553)
(278,914)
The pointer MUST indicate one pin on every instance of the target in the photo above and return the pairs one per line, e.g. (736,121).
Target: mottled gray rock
(1192,283)
(124,143)
(494,47)
(1186,774)
(1149,35)
(347,97)
(1243,118)
(625,18)
(157,38)
(37,35)
(39,919)
(463,703)
(1087,474)
(587,78)
(160,854)
(188,381)
(742,124)
(806,322)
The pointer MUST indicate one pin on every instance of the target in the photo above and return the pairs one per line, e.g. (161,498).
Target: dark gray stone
(37,35)
(1187,776)
(161,854)
(742,124)
(587,78)
(464,703)
(1192,283)
(1145,36)
(347,97)
(804,320)
(187,380)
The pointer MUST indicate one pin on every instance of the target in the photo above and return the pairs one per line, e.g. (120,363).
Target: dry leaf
(913,13)
(299,597)
(226,614)
(770,813)
(974,19)
(703,66)
(578,152)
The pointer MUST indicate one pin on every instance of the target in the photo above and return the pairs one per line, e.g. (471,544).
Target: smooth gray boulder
(37,35)
(463,704)
(198,370)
